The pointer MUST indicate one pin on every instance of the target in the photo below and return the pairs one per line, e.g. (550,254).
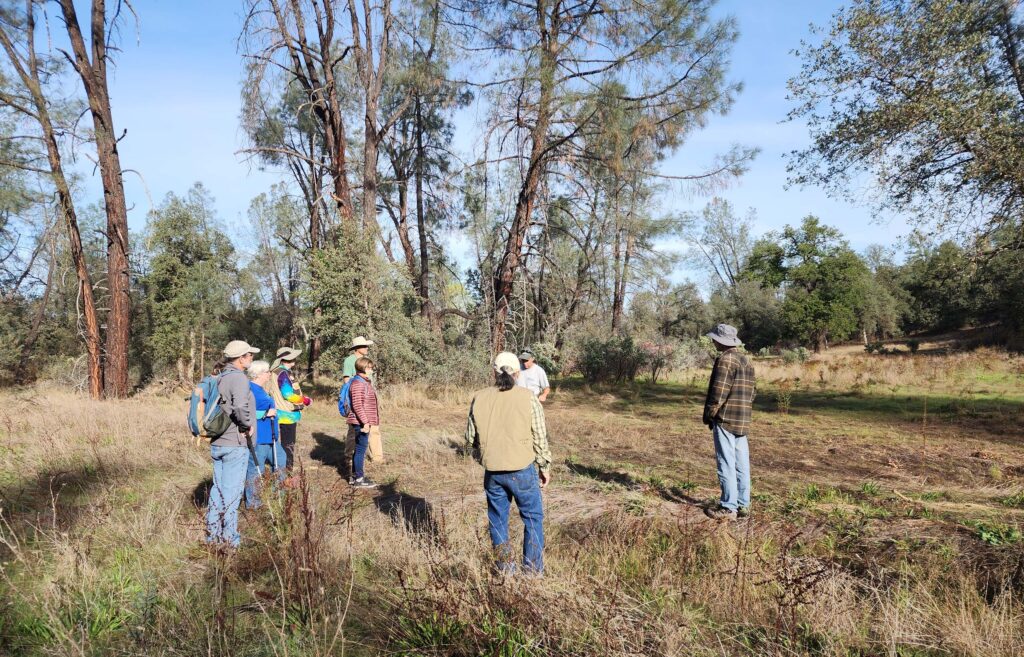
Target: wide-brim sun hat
(506,362)
(285,353)
(360,341)
(238,348)
(726,335)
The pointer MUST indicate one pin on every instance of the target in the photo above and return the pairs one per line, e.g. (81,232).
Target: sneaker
(720,513)
(364,482)
(743,512)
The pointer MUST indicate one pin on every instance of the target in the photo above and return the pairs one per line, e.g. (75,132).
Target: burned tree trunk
(93,72)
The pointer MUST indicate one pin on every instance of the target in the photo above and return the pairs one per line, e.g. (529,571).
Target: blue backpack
(345,397)
(206,419)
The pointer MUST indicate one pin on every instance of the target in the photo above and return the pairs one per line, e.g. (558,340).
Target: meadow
(887,520)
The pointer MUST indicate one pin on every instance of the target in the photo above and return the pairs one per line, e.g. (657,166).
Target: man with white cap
(359,349)
(230,450)
(288,398)
(508,436)
(727,412)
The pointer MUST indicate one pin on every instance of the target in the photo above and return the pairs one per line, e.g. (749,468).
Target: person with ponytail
(507,434)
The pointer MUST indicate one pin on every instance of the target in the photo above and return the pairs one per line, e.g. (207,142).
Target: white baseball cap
(506,361)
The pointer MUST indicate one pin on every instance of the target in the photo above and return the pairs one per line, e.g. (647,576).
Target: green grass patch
(995,533)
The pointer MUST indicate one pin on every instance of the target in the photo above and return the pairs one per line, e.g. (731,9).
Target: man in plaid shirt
(727,412)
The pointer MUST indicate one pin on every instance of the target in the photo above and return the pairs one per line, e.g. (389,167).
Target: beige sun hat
(285,353)
(360,341)
(506,362)
(238,348)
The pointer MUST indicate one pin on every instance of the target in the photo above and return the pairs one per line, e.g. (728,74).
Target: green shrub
(798,355)
(913,345)
(614,360)
(547,357)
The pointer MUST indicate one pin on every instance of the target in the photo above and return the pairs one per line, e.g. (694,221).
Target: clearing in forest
(888,507)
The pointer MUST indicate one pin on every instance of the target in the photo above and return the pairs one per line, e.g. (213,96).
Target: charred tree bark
(93,73)
(512,257)
(27,67)
(423,284)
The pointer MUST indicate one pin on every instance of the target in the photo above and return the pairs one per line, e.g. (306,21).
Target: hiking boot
(743,512)
(720,513)
(363,482)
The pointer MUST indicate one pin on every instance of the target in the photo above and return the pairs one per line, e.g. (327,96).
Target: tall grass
(102,551)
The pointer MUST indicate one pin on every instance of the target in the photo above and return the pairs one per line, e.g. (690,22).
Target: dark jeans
(358,458)
(288,442)
(524,487)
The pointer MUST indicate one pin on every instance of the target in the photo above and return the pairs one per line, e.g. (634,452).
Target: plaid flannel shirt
(731,393)
(539,427)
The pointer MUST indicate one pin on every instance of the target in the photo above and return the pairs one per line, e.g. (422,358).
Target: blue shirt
(266,427)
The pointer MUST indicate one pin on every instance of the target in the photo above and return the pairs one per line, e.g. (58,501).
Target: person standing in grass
(360,349)
(533,377)
(267,449)
(229,450)
(507,434)
(363,415)
(727,412)
(288,399)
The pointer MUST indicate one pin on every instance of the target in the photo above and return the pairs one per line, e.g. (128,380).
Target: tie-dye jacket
(290,392)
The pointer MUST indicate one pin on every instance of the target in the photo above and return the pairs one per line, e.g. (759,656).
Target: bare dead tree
(286,43)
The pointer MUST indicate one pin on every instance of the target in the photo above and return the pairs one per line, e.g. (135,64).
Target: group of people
(264,403)
(506,432)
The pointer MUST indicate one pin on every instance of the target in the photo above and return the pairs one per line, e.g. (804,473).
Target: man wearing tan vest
(508,436)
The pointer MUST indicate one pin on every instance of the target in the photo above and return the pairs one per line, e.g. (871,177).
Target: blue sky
(176,89)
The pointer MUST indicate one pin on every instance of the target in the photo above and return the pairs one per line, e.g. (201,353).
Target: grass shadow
(671,493)
(331,452)
(413,513)
(201,493)
(54,498)
(458,446)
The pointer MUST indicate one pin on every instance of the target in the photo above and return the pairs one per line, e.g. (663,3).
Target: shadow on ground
(54,499)
(201,493)
(670,493)
(331,452)
(414,513)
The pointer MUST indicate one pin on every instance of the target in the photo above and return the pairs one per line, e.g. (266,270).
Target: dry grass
(875,533)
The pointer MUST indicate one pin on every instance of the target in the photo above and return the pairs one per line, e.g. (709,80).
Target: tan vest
(504,423)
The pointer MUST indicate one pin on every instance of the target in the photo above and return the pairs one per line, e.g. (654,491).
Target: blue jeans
(733,455)
(523,486)
(264,456)
(229,466)
(359,456)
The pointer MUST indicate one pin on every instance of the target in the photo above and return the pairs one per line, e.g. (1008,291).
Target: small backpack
(206,418)
(345,397)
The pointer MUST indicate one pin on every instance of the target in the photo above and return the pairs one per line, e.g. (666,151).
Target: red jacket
(364,403)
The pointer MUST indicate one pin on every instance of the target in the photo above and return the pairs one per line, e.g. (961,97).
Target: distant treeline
(558,202)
